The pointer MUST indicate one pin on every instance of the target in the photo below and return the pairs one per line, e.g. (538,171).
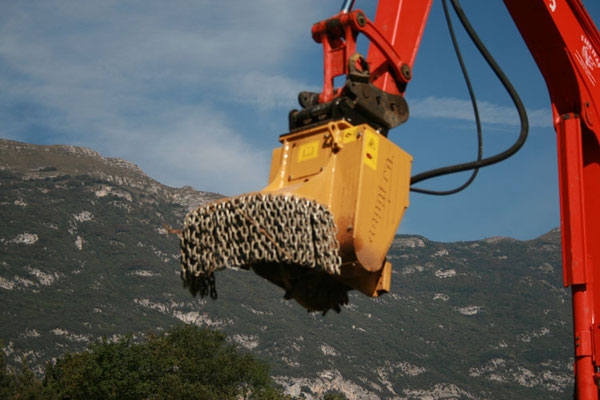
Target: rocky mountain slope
(84,254)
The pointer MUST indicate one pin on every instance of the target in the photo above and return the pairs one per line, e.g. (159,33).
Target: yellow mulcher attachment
(322,226)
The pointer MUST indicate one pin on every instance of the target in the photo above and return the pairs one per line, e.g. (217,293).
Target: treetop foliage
(184,363)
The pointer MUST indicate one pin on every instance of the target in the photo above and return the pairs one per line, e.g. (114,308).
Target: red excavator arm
(565,45)
(338,187)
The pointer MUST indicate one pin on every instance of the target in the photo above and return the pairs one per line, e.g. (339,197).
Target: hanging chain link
(255,229)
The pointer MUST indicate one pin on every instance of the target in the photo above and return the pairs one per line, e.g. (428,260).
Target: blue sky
(197,92)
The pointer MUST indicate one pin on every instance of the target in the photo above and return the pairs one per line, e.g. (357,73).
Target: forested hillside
(85,255)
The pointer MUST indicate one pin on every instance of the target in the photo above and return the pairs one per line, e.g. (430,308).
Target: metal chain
(255,229)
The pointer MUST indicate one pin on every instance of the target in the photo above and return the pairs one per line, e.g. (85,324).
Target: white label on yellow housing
(308,151)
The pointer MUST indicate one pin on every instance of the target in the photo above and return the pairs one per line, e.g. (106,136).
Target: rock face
(84,255)
(34,162)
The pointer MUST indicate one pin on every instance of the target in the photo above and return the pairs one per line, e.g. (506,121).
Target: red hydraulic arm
(565,45)
(395,38)
(403,28)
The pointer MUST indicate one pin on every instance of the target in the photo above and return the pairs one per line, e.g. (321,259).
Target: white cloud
(160,84)
(198,148)
(269,91)
(453,108)
(140,80)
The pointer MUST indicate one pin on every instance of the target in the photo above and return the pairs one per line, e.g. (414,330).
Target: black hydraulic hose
(513,95)
(347,6)
(475,112)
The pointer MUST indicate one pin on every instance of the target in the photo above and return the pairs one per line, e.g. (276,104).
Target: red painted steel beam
(395,37)
(576,266)
(401,22)
(565,43)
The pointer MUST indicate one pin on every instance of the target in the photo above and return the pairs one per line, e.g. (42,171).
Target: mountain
(84,254)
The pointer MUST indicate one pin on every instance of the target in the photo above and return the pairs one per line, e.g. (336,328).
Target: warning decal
(349,136)
(370,148)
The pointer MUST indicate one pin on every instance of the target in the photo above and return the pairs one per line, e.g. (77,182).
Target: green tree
(185,363)
(21,384)
(333,395)
(27,385)
(7,388)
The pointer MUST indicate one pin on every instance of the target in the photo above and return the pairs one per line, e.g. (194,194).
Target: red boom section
(395,37)
(565,44)
(402,24)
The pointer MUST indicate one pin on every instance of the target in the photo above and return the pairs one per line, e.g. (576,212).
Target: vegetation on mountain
(333,395)
(186,362)
(84,255)
(21,384)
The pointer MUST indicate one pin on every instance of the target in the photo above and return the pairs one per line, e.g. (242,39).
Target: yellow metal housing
(363,178)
